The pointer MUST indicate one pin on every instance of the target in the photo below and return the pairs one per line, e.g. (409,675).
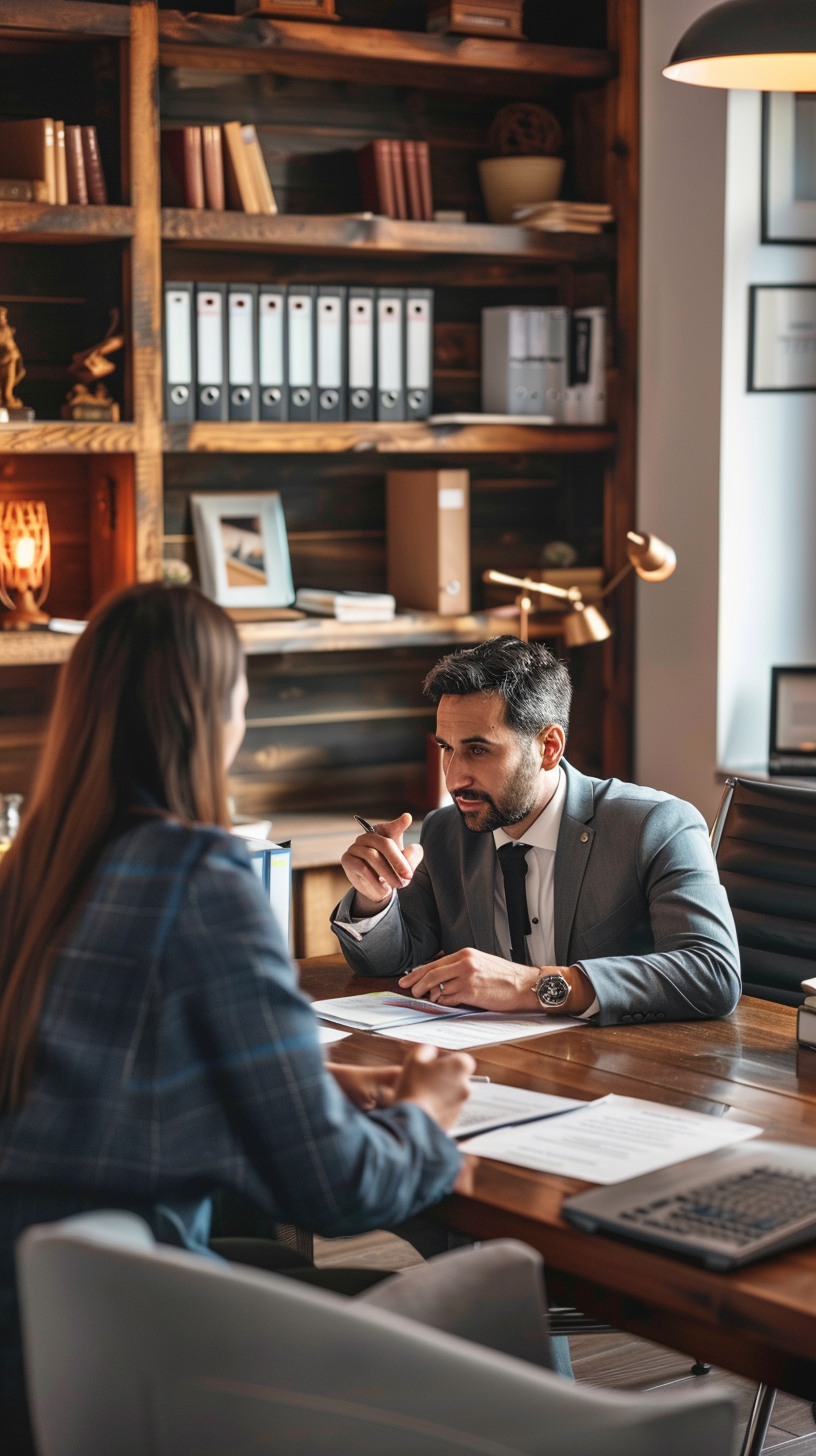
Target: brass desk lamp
(650,557)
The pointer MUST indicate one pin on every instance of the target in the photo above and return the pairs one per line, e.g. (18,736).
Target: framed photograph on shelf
(789,167)
(243,552)
(782,338)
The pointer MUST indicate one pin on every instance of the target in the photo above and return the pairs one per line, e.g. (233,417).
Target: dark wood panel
(38,222)
(65,17)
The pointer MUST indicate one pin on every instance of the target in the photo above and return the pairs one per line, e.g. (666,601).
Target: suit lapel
(575,840)
(479,870)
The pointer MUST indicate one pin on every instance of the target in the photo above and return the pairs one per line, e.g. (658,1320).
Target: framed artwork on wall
(789,168)
(782,338)
(243,551)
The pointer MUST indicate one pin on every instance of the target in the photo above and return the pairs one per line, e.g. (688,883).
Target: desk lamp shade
(25,562)
(584,625)
(652,559)
(750,45)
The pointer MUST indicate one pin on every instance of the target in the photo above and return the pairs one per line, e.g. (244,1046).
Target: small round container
(509,182)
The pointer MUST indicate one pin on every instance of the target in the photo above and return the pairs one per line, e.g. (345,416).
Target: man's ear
(552,741)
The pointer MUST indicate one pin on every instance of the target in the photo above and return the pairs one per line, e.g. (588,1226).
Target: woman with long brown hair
(154,1047)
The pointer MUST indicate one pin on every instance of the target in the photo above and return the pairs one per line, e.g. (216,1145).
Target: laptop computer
(792,749)
(724,1210)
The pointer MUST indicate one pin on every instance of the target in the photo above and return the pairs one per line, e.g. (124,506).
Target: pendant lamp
(750,45)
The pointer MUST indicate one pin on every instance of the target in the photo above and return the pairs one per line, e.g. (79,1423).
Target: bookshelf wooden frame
(609,82)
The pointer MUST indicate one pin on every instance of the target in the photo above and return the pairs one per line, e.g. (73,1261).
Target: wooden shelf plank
(34,649)
(356,233)
(68,437)
(41,222)
(412,438)
(64,18)
(296,48)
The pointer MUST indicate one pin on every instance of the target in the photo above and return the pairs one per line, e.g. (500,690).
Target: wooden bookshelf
(362,233)
(316,94)
(411,438)
(397,58)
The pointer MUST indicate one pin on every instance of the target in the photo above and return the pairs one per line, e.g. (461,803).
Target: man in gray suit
(539,889)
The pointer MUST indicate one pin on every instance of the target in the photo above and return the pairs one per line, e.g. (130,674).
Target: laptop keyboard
(783,763)
(736,1210)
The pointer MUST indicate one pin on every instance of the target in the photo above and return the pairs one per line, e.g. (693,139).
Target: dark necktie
(513,861)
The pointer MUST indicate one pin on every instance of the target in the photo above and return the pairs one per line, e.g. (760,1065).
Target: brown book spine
(424,166)
(172,167)
(238,176)
(376,179)
(75,166)
(400,198)
(193,168)
(213,162)
(97,191)
(60,163)
(409,157)
(257,167)
(19,189)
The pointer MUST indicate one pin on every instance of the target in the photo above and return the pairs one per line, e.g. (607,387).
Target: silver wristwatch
(553,990)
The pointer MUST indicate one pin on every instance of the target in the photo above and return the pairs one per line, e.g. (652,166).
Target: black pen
(364,824)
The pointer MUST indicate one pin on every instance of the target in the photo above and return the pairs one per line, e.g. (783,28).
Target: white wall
(768,494)
(682,227)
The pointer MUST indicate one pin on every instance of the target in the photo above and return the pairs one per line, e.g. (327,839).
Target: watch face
(552,990)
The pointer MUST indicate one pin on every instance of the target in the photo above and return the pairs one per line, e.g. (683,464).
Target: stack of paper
(380,1010)
(493,1105)
(347,606)
(408,1018)
(565,217)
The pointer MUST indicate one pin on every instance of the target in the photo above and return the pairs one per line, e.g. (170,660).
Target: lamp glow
(25,563)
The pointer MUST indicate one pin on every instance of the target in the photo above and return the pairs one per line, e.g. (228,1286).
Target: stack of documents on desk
(565,217)
(407,1018)
(492,1105)
(611,1139)
(347,606)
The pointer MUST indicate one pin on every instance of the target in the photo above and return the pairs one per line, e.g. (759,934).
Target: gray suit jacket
(638,904)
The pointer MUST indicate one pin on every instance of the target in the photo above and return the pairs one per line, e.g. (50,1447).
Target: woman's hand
(438,1081)
(366,1087)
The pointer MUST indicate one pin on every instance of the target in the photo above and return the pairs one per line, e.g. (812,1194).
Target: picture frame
(782,338)
(243,551)
(789,168)
(792,746)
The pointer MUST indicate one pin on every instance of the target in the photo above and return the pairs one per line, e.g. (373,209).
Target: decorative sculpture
(12,370)
(90,367)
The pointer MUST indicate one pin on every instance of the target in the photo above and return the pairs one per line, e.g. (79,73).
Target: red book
(213,167)
(411,165)
(193,168)
(376,178)
(95,177)
(400,196)
(424,166)
(75,164)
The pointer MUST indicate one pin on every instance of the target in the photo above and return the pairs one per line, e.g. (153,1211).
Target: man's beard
(517,801)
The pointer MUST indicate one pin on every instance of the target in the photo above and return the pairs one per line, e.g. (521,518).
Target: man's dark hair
(535,685)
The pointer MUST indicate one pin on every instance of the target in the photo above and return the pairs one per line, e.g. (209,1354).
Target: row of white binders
(268,352)
(545,362)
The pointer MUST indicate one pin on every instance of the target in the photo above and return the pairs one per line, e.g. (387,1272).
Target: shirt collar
(543,833)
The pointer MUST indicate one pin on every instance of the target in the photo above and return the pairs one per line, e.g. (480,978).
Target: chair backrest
(764,840)
(138,1351)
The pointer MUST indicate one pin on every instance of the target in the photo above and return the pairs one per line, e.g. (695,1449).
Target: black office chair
(764,842)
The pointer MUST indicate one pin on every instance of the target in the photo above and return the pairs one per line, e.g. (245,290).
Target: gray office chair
(133,1349)
(764,842)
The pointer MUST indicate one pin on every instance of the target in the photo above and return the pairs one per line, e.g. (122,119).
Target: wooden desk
(759,1322)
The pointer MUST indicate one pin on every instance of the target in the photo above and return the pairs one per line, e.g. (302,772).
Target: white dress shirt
(542,841)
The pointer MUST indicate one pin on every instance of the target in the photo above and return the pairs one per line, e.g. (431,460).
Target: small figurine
(90,367)
(12,370)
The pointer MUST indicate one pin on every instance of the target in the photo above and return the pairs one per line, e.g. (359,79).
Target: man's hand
(377,864)
(366,1087)
(437,1081)
(474,978)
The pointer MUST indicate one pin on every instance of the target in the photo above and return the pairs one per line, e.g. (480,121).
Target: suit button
(637,1015)
(584,838)
(659,1016)
(626,1020)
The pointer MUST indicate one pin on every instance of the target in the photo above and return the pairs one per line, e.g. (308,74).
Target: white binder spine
(302,395)
(272,353)
(242,312)
(418,353)
(586,391)
(179,352)
(361,354)
(211,391)
(391,354)
(331,353)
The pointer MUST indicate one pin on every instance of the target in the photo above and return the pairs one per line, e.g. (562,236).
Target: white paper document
(480,1028)
(377,1010)
(328,1035)
(492,1105)
(610,1140)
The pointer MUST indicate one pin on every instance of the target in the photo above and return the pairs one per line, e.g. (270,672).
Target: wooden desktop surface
(759,1322)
